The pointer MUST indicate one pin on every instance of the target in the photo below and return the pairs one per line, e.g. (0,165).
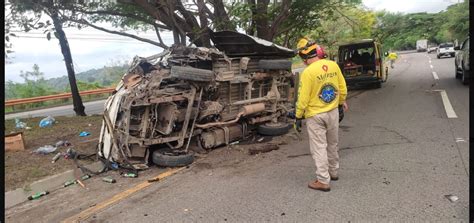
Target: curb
(49,184)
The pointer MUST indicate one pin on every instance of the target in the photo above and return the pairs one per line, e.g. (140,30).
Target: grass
(24,167)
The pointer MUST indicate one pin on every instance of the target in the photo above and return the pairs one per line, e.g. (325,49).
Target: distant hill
(105,76)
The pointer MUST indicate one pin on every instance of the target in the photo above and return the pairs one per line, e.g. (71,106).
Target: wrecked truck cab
(196,98)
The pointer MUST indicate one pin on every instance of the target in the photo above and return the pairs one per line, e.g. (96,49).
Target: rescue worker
(392,56)
(322,89)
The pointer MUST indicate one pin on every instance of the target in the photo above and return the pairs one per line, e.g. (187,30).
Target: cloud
(409,6)
(89,49)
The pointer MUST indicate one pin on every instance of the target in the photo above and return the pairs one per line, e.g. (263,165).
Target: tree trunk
(263,29)
(66,51)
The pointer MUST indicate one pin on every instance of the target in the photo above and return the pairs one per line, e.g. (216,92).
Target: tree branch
(138,18)
(284,13)
(84,22)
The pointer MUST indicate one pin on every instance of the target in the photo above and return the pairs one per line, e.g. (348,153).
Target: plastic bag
(63,143)
(84,134)
(45,149)
(19,124)
(48,121)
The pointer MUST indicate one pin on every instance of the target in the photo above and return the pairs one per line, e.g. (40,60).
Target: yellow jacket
(392,56)
(321,89)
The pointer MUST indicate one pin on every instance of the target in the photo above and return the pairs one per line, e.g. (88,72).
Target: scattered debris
(27,128)
(63,143)
(153,179)
(369,164)
(114,165)
(263,149)
(69,183)
(19,124)
(89,124)
(452,198)
(84,134)
(129,175)
(80,183)
(85,177)
(48,121)
(261,139)
(70,153)
(45,149)
(56,157)
(14,142)
(283,214)
(234,143)
(108,180)
(38,195)
(140,166)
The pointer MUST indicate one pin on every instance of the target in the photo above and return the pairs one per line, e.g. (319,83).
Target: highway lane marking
(118,197)
(460,140)
(435,75)
(429,61)
(447,104)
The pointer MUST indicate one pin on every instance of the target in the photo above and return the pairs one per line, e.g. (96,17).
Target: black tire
(192,74)
(458,74)
(269,129)
(167,158)
(274,64)
(453,55)
(464,79)
(438,56)
(378,85)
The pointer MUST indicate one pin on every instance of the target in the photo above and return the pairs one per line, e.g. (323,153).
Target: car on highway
(197,98)
(432,49)
(362,64)
(461,61)
(445,49)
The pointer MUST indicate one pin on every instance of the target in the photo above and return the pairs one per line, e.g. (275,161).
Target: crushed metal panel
(238,44)
(167,115)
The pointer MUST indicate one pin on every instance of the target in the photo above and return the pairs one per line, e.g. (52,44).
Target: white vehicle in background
(445,49)
(432,49)
(421,45)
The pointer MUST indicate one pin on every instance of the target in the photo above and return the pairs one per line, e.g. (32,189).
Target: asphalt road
(400,156)
(92,108)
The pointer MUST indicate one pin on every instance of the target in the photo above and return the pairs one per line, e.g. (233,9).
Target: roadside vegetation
(330,23)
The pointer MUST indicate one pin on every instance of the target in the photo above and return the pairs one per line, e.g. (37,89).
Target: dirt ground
(24,167)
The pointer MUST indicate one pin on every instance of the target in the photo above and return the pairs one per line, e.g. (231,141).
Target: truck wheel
(170,158)
(456,71)
(273,129)
(464,79)
(192,74)
(274,64)
(438,56)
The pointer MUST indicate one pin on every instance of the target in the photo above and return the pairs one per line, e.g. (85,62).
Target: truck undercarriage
(197,96)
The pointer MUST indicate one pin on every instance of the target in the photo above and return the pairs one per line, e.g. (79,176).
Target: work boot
(319,186)
(334,176)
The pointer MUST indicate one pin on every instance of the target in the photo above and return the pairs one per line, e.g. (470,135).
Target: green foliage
(349,23)
(401,31)
(34,85)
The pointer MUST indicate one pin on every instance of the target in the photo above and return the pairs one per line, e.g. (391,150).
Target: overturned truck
(194,97)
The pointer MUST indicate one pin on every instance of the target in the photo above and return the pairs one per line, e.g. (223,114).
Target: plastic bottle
(129,175)
(108,180)
(37,195)
(56,157)
(69,183)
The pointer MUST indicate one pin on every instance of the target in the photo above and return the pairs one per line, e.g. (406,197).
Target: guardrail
(20,101)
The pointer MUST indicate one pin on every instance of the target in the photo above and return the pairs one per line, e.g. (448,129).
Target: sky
(91,48)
